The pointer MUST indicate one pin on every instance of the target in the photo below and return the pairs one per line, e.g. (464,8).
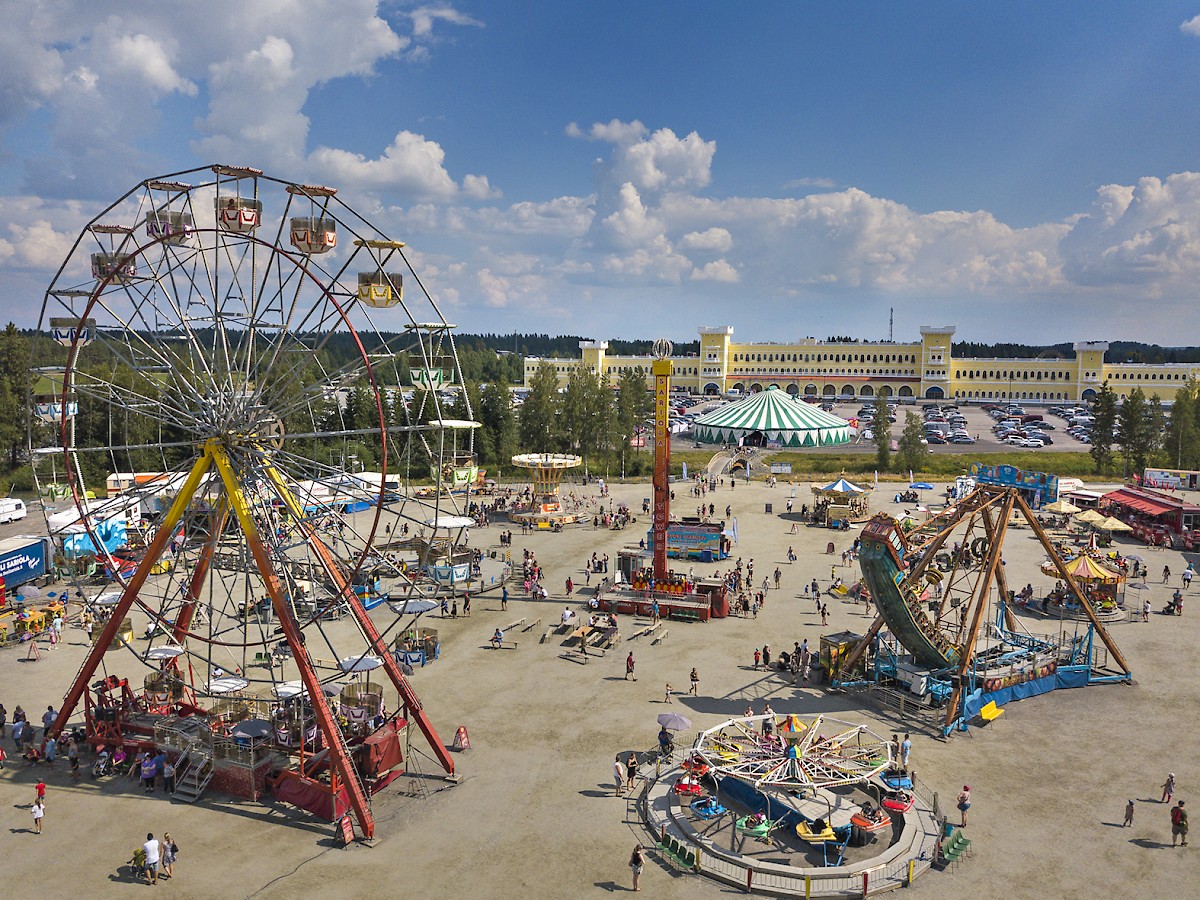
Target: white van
(12,509)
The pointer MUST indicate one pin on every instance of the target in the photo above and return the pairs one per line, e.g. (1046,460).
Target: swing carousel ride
(248,496)
(932,587)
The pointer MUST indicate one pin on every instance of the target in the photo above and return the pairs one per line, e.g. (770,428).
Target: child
(757,658)
(667,698)
(1128,813)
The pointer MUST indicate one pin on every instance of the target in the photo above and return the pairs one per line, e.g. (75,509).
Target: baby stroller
(103,764)
(138,863)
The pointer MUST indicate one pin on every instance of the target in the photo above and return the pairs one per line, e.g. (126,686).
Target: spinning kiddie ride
(214,352)
(932,589)
(544,509)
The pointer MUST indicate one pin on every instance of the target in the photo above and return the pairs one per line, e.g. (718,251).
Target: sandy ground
(534,814)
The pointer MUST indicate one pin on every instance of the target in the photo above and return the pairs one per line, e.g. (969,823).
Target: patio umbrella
(288,689)
(252,728)
(1062,508)
(674,721)
(360,663)
(165,652)
(412,607)
(1089,517)
(229,684)
(1113,524)
(921,486)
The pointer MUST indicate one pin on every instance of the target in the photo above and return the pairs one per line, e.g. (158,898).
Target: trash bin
(770,508)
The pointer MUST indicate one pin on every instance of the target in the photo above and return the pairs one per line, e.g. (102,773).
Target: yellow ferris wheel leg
(166,531)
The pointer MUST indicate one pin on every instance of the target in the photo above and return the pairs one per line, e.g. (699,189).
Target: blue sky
(1027,171)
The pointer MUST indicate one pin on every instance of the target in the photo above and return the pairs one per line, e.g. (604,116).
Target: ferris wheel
(233,434)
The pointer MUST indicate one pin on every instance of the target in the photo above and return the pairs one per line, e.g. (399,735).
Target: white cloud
(477,187)
(717,240)
(424,17)
(411,164)
(630,224)
(1147,234)
(827,183)
(144,58)
(1191,26)
(717,270)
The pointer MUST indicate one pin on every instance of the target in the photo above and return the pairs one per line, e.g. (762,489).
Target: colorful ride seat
(806,833)
(708,808)
(754,826)
(899,802)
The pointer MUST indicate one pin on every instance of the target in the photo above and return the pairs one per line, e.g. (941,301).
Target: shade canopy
(229,684)
(360,663)
(841,486)
(450,522)
(1084,568)
(1061,508)
(1113,524)
(778,417)
(1089,517)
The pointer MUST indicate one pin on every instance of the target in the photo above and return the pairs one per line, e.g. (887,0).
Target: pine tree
(883,434)
(1104,411)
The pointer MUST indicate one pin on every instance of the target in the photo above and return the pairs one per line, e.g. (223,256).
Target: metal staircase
(196,766)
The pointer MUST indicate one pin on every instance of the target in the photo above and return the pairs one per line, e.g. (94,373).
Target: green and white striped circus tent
(772,416)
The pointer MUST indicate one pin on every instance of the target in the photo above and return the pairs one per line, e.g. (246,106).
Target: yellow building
(926,369)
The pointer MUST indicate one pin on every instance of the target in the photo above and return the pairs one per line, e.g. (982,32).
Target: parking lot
(978,424)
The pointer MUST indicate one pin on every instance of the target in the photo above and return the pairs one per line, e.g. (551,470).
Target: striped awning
(778,416)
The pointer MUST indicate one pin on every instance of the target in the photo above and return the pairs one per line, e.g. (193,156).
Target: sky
(1022,170)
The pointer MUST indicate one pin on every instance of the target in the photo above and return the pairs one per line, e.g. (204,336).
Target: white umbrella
(360,663)
(165,652)
(228,684)
(111,598)
(674,721)
(451,522)
(413,607)
(289,689)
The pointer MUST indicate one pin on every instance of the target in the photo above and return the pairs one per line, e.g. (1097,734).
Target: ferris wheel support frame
(412,703)
(111,628)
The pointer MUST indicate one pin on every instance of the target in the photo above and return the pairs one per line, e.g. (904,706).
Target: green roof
(779,416)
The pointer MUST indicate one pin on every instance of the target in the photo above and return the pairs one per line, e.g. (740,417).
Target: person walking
(1146,611)
(1179,824)
(964,804)
(637,862)
(619,777)
(1128,814)
(631,766)
(694,678)
(3,719)
(629,664)
(905,750)
(824,614)
(39,791)
(1166,574)
(39,813)
(667,694)
(503,598)
(1168,788)
(757,658)
(73,759)
(169,852)
(153,851)
(169,777)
